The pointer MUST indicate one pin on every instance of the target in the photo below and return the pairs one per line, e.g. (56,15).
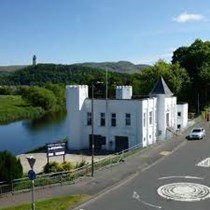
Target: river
(22,136)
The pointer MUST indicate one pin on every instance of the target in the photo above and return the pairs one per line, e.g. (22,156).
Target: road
(181,180)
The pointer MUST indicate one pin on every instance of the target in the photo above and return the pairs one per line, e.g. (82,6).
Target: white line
(137,197)
(180,177)
(184,191)
(106,191)
(204,163)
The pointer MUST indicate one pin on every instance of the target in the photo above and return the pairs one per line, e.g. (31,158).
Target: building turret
(75,97)
(124,92)
(166,108)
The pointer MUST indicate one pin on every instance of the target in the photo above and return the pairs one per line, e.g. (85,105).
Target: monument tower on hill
(34,60)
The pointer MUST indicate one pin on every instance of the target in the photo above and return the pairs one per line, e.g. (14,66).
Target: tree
(175,76)
(10,167)
(192,58)
(196,60)
(58,91)
(42,97)
(179,55)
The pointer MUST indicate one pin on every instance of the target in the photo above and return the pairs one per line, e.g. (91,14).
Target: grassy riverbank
(14,108)
(60,203)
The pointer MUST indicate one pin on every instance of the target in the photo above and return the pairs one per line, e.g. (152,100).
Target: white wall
(75,97)
(182,120)
(136,132)
(165,105)
(108,107)
(149,130)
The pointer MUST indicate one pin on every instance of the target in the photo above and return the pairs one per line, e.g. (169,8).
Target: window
(150,117)
(113,119)
(179,114)
(127,119)
(144,119)
(89,118)
(103,119)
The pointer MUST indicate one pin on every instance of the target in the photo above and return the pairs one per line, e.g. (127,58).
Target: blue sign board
(31,174)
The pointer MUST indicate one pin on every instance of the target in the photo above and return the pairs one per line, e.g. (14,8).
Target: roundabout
(184,191)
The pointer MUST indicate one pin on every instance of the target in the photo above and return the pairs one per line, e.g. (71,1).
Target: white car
(197,133)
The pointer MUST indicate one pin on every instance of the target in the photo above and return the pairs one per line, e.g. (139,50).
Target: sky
(77,31)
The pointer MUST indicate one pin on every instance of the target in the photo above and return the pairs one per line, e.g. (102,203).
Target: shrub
(10,167)
(52,167)
(67,166)
(56,167)
(81,164)
(41,97)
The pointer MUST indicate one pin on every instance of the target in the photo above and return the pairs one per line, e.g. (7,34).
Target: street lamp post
(92,132)
(32,176)
(92,128)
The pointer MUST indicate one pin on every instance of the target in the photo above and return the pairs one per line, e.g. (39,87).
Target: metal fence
(65,177)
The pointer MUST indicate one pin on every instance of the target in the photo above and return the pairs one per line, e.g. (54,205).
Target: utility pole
(92,132)
(198,104)
(106,84)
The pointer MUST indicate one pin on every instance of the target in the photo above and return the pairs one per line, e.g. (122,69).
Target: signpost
(32,177)
(56,149)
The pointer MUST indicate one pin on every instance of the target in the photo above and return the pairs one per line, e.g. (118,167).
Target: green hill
(121,66)
(11,68)
(84,73)
(41,74)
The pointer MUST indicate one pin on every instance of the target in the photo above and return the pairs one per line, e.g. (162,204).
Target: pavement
(106,178)
(41,160)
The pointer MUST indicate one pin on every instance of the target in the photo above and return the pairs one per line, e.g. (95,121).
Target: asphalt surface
(113,177)
(172,183)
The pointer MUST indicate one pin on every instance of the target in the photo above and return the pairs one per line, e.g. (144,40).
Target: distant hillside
(41,74)
(121,66)
(10,68)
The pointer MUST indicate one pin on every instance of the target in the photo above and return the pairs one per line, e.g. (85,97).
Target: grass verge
(14,108)
(59,203)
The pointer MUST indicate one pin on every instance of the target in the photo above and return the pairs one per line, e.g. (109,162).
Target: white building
(123,122)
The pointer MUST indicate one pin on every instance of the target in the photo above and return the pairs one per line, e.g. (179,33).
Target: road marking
(179,177)
(204,163)
(165,153)
(137,197)
(107,190)
(184,191)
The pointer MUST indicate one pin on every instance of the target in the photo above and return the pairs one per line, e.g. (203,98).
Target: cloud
(186,17)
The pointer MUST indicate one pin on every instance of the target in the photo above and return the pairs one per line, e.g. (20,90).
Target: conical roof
(161,88)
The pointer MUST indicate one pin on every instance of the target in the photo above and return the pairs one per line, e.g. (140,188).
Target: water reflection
(22,136)
(47,120)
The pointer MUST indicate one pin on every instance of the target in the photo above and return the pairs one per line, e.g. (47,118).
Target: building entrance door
(121,143)
(98,142)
